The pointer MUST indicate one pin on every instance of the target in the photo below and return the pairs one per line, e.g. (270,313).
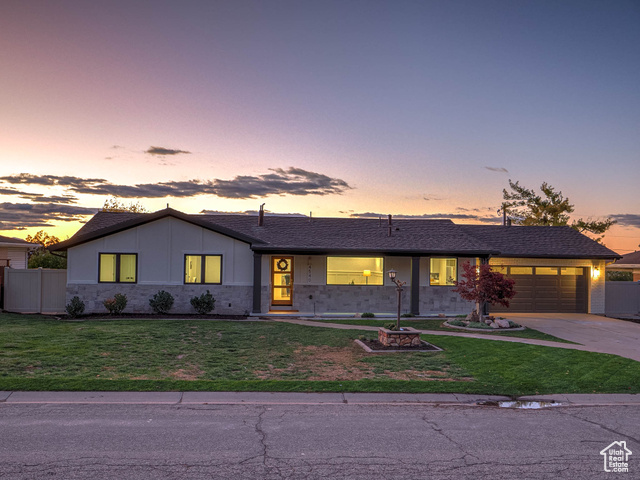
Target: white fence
(38,290)
(622,298)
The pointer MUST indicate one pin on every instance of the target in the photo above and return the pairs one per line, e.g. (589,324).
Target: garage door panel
(548,294)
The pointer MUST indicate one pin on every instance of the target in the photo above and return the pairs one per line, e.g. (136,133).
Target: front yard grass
(437,324)
(38,353)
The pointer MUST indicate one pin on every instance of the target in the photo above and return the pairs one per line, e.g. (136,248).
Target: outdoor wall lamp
(595,273)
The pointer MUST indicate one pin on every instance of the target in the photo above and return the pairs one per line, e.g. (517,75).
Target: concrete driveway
(599,334)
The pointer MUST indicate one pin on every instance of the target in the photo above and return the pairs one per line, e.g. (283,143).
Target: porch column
(415,285)
(257,282)
(485,306)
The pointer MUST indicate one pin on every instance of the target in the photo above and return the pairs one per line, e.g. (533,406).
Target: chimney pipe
(261,216)
(389,219)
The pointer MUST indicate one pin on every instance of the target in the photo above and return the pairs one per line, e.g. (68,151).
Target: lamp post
(399,285)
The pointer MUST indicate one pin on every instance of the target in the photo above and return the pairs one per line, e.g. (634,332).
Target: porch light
(392,274)
(595,273)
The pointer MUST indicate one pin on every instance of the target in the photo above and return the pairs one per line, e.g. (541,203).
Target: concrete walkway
(603,347)
(285,398)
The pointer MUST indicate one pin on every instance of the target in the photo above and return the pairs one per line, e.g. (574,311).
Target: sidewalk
(279,398)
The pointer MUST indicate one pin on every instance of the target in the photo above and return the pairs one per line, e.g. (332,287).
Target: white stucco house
(257,264)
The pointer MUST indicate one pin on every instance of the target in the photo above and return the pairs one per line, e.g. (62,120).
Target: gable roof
(632,258)
(108,223)
(540,241)
(302,235)
(15,242)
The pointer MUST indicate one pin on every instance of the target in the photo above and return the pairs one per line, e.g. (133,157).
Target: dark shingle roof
(17,241)
(413,236)
(632,258)
(534,241)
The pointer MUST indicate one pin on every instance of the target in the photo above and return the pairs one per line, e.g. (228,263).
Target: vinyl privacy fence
(622,298)
(37,290)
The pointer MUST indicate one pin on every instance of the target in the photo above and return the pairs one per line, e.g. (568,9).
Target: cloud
(430,198)
(40,198)
(497,169)
(18,216)
(164,151)
(50,180)
(292,181)
(627,219)
(431,216)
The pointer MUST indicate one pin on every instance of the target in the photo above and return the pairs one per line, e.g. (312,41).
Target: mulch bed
(377,346)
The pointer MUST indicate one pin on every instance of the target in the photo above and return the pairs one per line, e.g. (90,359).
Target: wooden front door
(282,281)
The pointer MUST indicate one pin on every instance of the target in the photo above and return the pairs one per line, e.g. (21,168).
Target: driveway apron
(599,334)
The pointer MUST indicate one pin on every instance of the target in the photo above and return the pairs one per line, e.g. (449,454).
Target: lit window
(546,270)
(571,271)
(355,271)
(521,270)
(444,271)
(118,268)
(203,269)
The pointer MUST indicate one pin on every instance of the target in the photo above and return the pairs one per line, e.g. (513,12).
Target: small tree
(41,257)
(482,285)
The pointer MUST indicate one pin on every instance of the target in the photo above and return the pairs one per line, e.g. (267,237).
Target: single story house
(14,252)
(258,264)
(628,263)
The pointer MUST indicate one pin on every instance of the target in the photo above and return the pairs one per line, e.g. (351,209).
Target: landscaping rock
(503,323)
(494,325)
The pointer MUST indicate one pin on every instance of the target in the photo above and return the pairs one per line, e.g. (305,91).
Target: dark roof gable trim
(148,218)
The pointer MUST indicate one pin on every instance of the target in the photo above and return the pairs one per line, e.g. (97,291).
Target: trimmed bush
(390,326)
(479,325)
(75,307)
(513,324)
(204,303)
(161,302)
(407,315)
(457,323)
(367,315)
(116,304)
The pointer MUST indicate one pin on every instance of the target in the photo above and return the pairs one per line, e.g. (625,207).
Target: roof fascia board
(355,251)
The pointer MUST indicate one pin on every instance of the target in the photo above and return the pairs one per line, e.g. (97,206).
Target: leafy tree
(116,205)
(43,238)
(41,257)
(619,276)
(526,207)
(482,285)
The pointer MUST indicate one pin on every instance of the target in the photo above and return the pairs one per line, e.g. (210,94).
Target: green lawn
(38,353)
(437,324)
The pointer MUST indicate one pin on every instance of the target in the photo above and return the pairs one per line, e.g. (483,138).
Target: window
(521,270)
(444,271)
(118,268)
(203,269)
(571,271)
(546,270)
(355,271)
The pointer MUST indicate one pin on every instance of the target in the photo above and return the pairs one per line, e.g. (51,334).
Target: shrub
(407,315)
(116,304)
(367,315)
(513,324)
(75,307)
(161,302)
(457,323)
(390,326)
(478,325)
(204,303)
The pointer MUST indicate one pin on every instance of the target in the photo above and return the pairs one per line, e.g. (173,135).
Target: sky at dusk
(418,108)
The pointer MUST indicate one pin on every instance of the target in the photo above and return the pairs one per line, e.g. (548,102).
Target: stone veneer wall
(442,300)
(230,299)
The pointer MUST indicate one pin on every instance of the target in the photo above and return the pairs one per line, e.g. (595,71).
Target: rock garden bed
(486,324)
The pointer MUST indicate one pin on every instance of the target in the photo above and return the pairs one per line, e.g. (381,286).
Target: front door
(282,281)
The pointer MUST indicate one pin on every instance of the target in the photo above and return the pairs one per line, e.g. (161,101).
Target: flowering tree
(482,285)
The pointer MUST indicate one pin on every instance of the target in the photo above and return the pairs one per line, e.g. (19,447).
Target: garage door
(547,289)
